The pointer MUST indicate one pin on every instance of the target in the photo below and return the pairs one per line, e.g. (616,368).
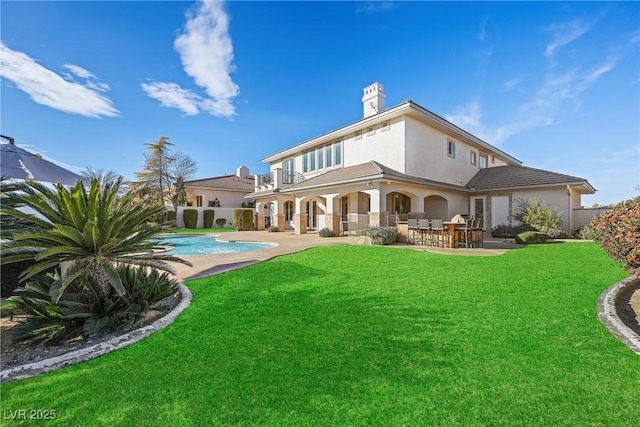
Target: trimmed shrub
(379,236)
(190,217)
(538,215)
(273,229)
(171,217)
(208,218)
(325,232)
(220,222)
(243,219)
(618,232)
(531,237)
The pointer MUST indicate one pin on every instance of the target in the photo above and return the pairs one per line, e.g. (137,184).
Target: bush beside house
(378,236)
(243,219)
(190,217)
(618,232)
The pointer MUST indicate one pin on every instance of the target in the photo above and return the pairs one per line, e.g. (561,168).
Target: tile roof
(513,176)
(227,182)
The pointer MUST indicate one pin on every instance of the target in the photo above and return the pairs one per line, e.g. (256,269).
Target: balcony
(276,179)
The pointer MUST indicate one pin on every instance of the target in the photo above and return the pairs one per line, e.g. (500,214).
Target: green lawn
(349,335)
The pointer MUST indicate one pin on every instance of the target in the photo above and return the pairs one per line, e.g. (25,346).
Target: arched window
(399,203)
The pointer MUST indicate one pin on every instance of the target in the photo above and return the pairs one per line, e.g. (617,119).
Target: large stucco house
(401,161)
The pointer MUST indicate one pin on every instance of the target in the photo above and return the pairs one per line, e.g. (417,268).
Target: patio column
(300,216)
(332,217)
(377,216)
(260,216)
(277,214)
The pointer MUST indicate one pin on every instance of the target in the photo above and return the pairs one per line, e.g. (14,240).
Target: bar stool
(412,228)
(437,233)
(423,229)
(464,236)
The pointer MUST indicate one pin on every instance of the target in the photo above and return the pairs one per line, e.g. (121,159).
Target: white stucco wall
(383,146)
(228,199)
(426,155)
(558,198)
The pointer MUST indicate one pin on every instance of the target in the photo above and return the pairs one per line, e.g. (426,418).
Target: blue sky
(554,84)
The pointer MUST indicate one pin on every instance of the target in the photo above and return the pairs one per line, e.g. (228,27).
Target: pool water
(202,245)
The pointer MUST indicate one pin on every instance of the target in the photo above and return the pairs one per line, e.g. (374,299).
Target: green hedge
(209,215)
(190,217)
(531,237)
(171,217)
(618,232)
(243,219)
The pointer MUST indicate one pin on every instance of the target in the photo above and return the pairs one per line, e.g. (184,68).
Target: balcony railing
(292,177)
(276,178)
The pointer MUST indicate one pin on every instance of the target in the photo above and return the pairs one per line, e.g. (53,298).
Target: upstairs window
(474,156)
(305,162)
(320,155)
(484,159)
(451,149)
(312,160)
(338,152)
(327,152)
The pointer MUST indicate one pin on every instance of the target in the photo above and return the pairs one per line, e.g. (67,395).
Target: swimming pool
(204,244)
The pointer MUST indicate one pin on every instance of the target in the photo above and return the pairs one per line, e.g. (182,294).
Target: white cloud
(173,96)
(48,88)
(206,52)
(79,71)
(564,33)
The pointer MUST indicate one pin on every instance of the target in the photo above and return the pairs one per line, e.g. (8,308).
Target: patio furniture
(478,232)
(412,229)
(464,235)
(423,230)
(438,234)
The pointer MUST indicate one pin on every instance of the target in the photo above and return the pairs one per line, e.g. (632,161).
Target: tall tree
(164,173)
(155,179)
(181,169)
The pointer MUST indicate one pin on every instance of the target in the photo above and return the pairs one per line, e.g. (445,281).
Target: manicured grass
(204,230)
(347,335)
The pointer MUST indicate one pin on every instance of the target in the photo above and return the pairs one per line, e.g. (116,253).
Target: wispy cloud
(510,84)
(482,33)
(564,33)
(206,52)
(375,6)
(558,91)
(48,88)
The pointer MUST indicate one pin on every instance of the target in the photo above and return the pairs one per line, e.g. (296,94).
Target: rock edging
(609,316)
(73,357)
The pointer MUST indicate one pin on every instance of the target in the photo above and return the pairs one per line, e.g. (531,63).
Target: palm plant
(89,233)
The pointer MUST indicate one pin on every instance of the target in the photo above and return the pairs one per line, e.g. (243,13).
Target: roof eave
(584,184)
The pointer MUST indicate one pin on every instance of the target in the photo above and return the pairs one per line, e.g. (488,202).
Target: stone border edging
(77,356)
(609,316)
